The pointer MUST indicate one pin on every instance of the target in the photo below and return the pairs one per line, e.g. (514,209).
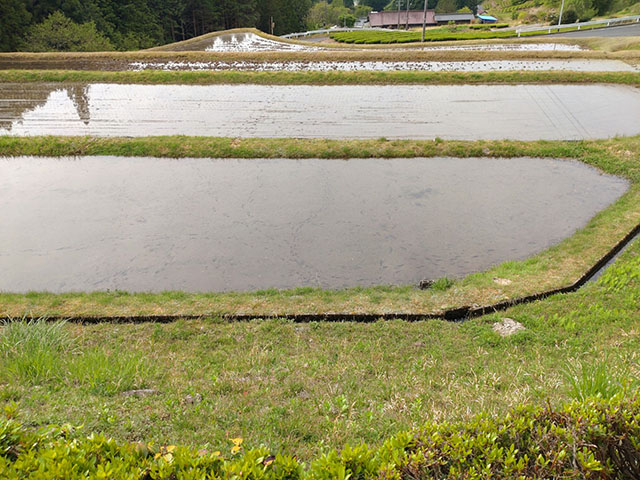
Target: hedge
(442,34)
(592,439)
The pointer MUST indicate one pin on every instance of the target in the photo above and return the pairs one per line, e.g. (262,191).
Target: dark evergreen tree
(14,18)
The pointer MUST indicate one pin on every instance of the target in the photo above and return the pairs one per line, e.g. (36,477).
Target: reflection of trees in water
(18,99)
(79,95)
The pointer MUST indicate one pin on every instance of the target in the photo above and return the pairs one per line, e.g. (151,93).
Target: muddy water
(526,112)
(574,65)
(250,42)
(145,224)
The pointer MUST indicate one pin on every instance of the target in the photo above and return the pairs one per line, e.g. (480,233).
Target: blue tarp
(487,18)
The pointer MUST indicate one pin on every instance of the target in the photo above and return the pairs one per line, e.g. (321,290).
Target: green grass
(37,352)
(558,266)
(439,34)
(320,78)
(302,389)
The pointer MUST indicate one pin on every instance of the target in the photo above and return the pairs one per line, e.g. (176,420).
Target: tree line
(137,24)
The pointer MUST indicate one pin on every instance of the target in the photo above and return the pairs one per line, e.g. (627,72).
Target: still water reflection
(145,224)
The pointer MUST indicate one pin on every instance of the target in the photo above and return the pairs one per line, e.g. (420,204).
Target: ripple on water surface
(461,112)
(149,224)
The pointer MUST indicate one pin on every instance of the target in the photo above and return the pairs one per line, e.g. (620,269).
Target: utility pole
(424,19)
(398,14)
(561,9)
(407,26)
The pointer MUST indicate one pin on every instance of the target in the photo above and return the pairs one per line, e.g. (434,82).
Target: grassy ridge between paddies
(590,440)
(318,78)
(556,267)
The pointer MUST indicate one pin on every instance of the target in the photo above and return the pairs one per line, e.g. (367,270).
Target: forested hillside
(132,24)
(81,25)
(546,11)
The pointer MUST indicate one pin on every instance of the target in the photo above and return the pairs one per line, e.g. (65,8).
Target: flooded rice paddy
(250,42)
(465,112)
(575,65)
(152,224)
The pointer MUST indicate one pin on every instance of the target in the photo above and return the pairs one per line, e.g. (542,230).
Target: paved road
(632,30)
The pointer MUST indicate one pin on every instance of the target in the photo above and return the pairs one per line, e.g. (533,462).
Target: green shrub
(57,33)
(594,439)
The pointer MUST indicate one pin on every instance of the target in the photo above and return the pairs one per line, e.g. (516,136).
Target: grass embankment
(556,267)
(301,389)
(320,78)
(445,33)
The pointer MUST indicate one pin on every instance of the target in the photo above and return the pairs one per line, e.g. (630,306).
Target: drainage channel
(459,314)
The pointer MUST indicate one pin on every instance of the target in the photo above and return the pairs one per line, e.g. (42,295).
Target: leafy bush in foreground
(591,439)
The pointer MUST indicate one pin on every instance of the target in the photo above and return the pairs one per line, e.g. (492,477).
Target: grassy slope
(304,388)
(555,267)
(318,78)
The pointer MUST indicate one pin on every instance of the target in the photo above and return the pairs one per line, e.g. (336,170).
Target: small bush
(57,33)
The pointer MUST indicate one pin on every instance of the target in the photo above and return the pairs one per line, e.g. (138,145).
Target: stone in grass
(502,281)
(508,326)
(190,399)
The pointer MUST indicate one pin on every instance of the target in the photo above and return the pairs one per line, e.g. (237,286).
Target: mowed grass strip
(302,389)
(319,78)
(556,267)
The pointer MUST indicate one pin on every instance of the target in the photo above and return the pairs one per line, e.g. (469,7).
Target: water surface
(573,65)
(145,224)
(464,112)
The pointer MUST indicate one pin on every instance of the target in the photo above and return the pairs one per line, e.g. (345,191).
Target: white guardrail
(609,22)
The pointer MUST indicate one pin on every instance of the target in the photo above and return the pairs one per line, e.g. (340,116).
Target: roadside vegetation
(553,268)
